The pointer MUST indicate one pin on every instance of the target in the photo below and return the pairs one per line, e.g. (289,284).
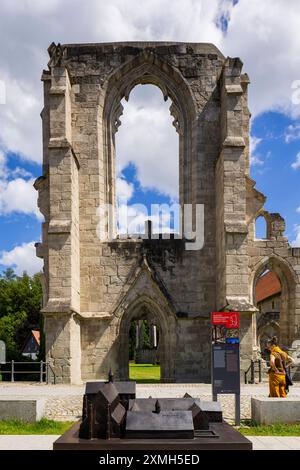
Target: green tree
(20,304)
(146,334)
(132,340)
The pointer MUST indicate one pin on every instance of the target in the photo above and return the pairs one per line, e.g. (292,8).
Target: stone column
(232,167)
(62,344)
(153,336)
(232,231)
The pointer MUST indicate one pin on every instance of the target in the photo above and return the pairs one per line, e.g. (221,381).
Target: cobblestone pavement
(70,407)
(64,402)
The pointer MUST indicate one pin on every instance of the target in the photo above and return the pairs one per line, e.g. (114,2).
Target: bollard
(41,371)
(252,372)
(259,371)
(12,371)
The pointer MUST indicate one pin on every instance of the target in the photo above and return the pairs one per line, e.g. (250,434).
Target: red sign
(228,319)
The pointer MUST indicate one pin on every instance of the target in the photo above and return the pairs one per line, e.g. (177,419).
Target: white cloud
(2,165)
(292,133)
(254,142)
(266,36)
(148,139)
(255,159)
(27,27)
(296,164)
(124,190)
(20,122)
(25,6)
(17,194)
(22,258)
(20,172)
(132,218)
(298,210)
(296,242)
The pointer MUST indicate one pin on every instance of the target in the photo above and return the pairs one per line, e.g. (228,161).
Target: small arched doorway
(146,310)
(275,308)
(144,349)
(268,302)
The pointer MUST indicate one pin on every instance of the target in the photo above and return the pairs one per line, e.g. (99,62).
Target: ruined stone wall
(278,256)
(93,287)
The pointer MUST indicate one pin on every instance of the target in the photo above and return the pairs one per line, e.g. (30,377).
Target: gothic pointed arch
(145,280)
(288,280)
(144,306)
(148,68)
(146,298)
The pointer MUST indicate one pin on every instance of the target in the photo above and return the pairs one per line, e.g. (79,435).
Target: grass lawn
(44,426)
(144,373)
(249,428)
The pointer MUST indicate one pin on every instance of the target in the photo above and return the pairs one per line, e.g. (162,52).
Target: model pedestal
(226,438)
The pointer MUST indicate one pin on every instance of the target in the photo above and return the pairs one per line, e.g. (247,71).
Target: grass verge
(144,373)
(249,428)
(44,426)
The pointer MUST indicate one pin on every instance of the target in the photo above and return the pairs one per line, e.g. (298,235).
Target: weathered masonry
(92,288)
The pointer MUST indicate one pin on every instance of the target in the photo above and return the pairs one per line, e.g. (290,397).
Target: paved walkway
(64,402)
(28,442)
(36,442)
(275,442)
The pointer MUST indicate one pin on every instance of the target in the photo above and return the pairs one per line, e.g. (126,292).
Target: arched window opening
(147,164)
(268,292)
(144,360)
(260,228)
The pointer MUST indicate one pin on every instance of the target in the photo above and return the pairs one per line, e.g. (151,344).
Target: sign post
(2,352)
(225,357)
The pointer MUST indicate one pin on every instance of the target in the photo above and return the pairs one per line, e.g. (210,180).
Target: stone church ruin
(94,288)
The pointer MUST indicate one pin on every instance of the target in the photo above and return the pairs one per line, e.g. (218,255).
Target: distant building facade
(31,346)
(268,300)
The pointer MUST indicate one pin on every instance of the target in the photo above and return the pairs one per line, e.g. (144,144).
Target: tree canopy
(20,304)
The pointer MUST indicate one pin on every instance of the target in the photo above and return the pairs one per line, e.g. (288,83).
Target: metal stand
(237,409)
(237,405)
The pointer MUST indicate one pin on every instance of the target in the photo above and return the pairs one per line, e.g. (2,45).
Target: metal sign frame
(225,358)
(2,352)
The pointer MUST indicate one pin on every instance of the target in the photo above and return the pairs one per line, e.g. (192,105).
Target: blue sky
(264,34)
(17,227)
(272,168)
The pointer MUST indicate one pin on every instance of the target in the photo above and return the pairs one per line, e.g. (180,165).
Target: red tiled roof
(267,286)
(36,335)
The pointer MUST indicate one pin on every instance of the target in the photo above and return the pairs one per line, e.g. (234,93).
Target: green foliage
(9,326)
(20,304)
(132,340)
(250,428)
(144,373)
(146,335)
(44,426)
